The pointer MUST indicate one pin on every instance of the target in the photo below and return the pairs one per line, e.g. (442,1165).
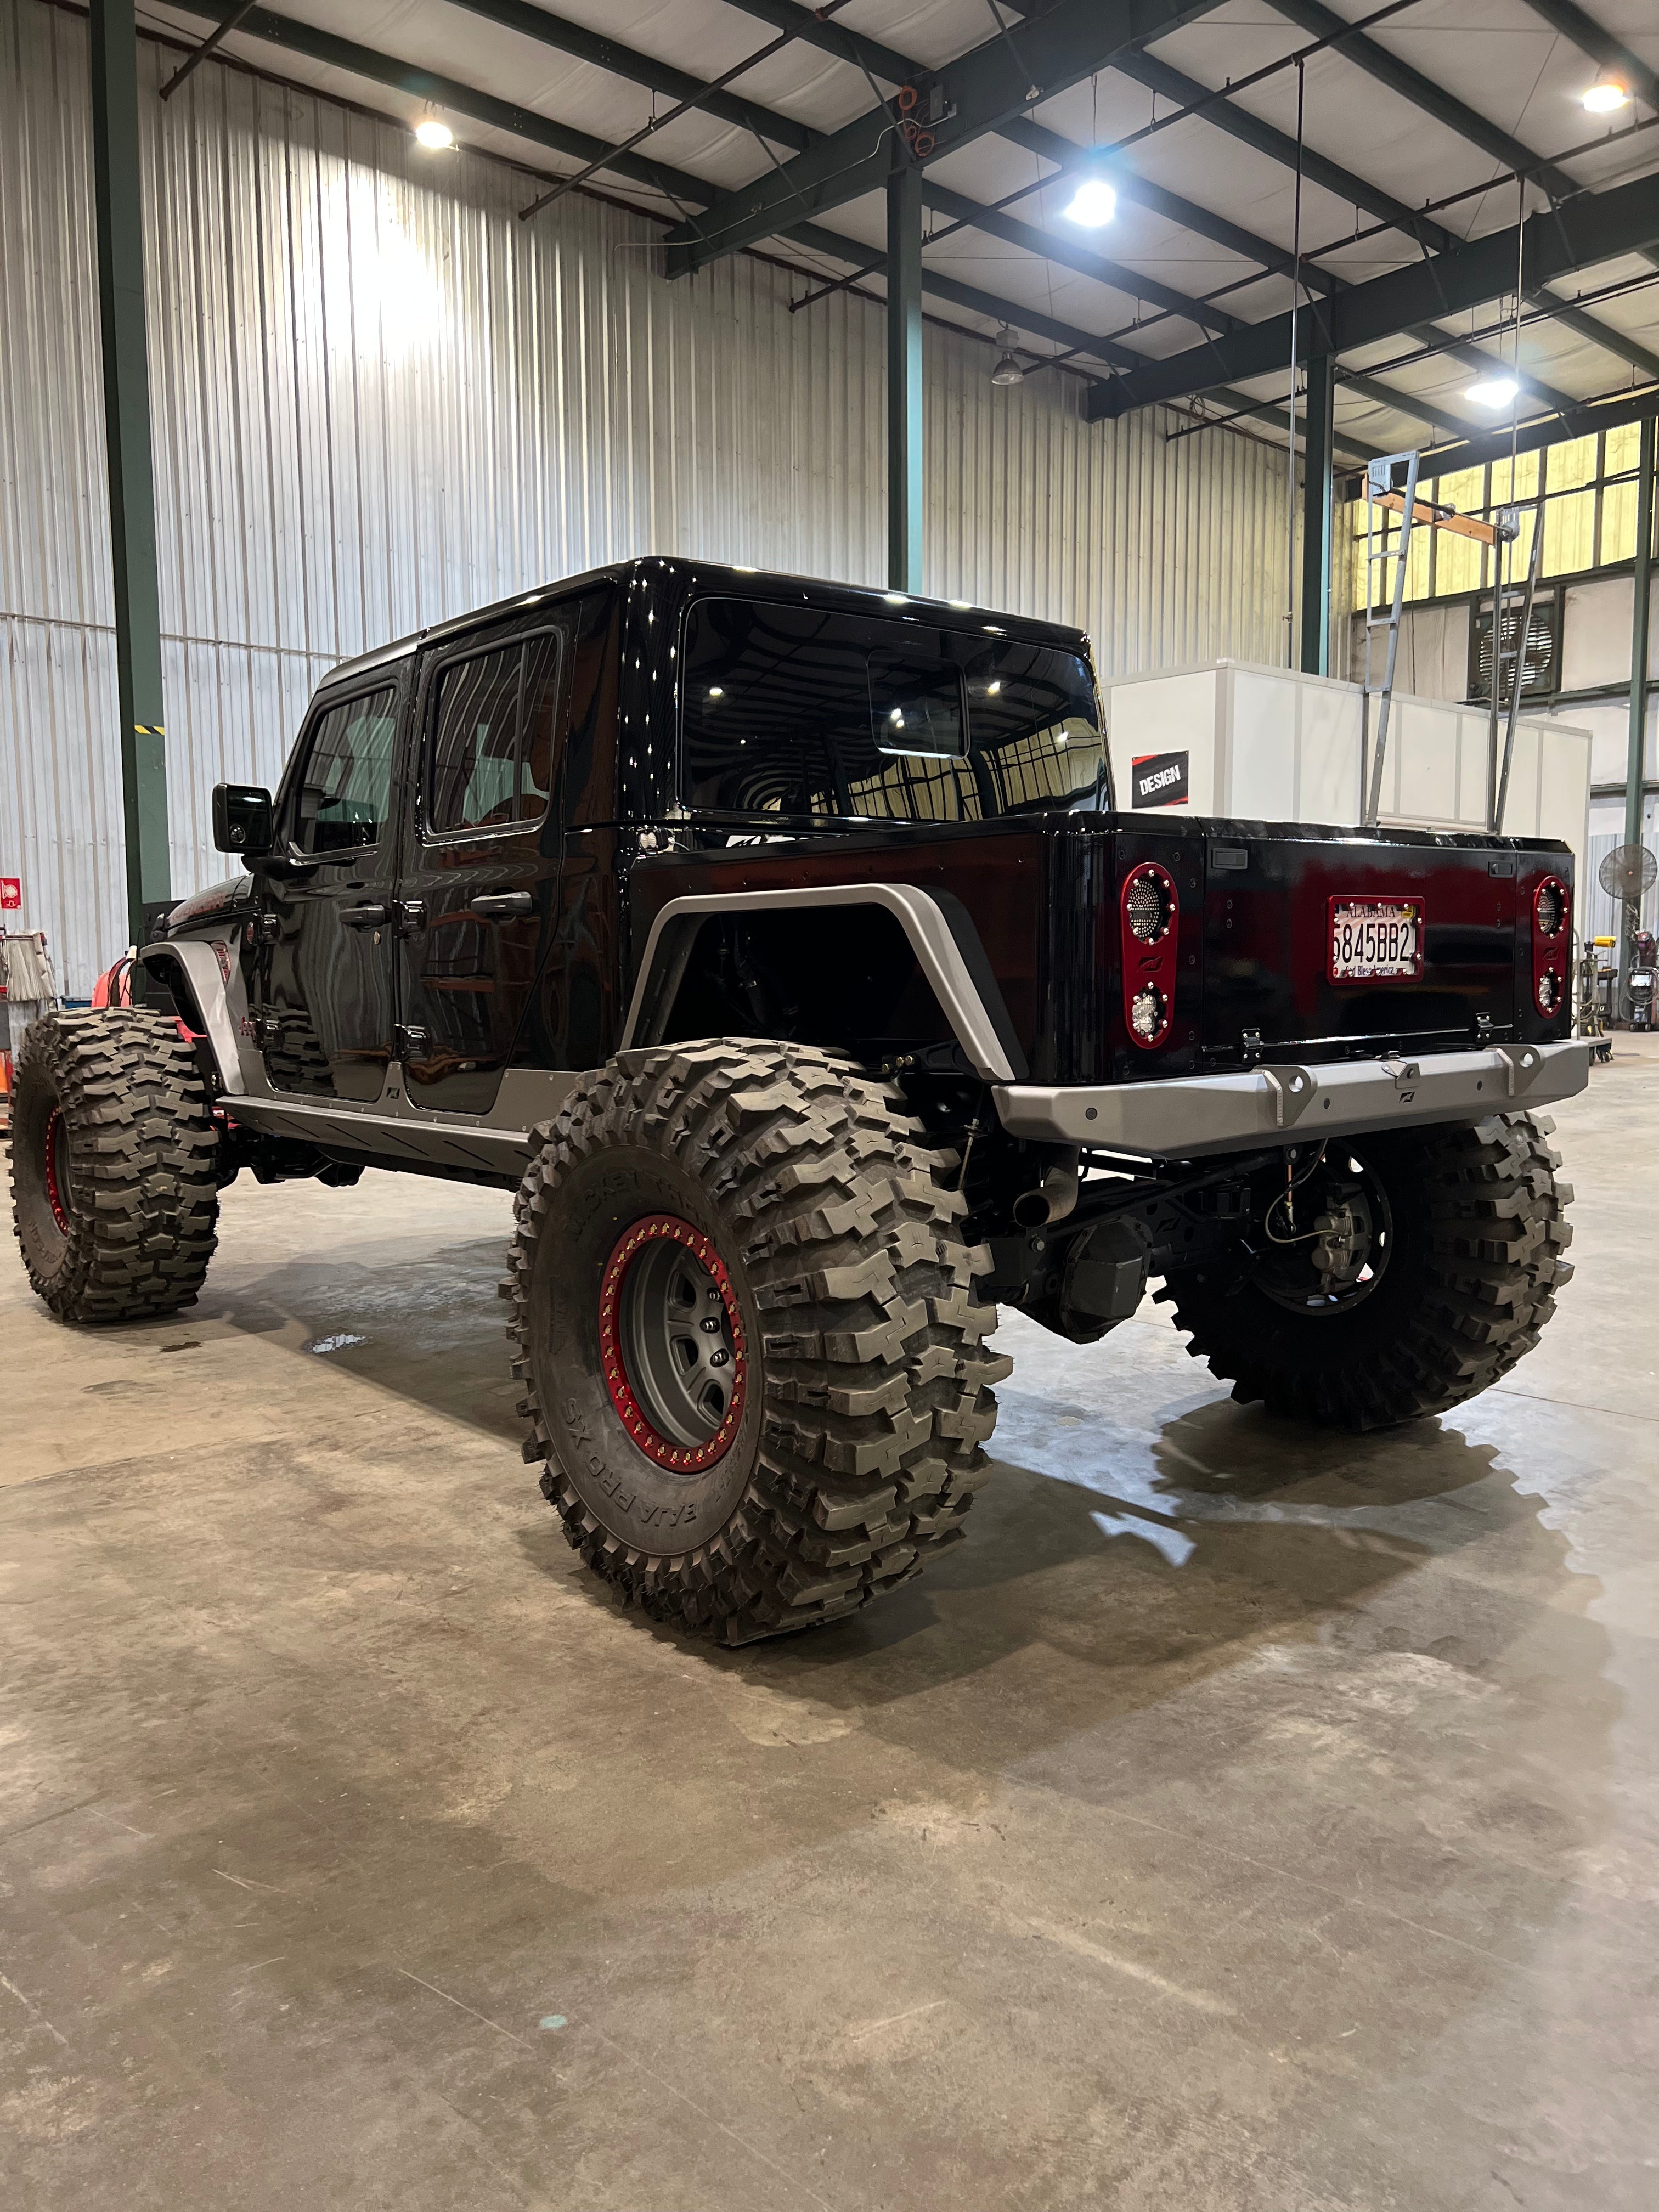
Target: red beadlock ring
(54,1140)
(683,1459)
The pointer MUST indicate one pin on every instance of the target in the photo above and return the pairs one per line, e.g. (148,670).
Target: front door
(480,881)
(324,1000)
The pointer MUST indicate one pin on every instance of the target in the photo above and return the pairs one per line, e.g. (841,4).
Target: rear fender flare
(940,932)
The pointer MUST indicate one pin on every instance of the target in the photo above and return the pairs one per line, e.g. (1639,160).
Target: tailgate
(1334,944)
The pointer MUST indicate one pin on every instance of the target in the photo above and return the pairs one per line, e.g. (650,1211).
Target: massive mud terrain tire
(1477,1229)
(744,1310)
(114,1196)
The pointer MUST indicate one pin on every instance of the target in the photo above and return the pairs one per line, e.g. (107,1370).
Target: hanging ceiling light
(1007,370)
(434,134)
(1493,391)
(1606,95)
(1092,204)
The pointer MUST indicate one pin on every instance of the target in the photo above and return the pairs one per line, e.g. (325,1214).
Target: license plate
(1376,940)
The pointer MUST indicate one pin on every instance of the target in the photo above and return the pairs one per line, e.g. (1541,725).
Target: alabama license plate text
(1375,939)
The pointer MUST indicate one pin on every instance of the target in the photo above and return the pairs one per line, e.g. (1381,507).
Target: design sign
(1159,779)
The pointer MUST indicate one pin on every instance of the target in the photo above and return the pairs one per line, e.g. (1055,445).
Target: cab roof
(683,579)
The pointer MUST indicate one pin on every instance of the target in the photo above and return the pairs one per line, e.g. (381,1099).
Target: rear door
(482,861)
(325,994)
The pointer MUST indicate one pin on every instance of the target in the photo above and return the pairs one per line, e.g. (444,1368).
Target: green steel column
(1635,760)
(126,433)
(1317,525)
(904,375)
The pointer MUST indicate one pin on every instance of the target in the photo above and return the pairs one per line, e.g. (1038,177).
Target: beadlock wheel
(1475,1225)
(744,1317)
(55,1168)
(114,1165)
(670,1336)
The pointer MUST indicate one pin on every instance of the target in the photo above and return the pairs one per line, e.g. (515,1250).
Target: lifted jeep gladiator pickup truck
(782,945)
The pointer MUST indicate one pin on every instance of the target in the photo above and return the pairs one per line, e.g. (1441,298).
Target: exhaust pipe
(1053,1198)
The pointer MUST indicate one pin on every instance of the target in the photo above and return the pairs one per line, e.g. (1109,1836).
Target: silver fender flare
(941,934)
(213,974)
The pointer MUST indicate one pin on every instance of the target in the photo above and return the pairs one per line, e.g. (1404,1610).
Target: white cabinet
(1269,745)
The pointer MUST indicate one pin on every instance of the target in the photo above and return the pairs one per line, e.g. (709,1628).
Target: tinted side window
(791,710)
(494,722)
(345,785)
(473,771)
(541,726)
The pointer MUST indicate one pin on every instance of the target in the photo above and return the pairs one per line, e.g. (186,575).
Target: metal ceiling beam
(1595,227)
(1552,429)
(1050,146)
(216,38)
(802,23)
(968,296)
(679,184)
(1156,75)
(663,176)
(319,46)
(609,54)
(618,60)
(1049,246)
(887,62)
(1615,56)
(1590,328)
(839,40)
(1434,99)
(1153,74)
(1464,122)
(981,89)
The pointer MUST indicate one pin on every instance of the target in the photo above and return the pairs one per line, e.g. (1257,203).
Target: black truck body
(784,947)
(520,945)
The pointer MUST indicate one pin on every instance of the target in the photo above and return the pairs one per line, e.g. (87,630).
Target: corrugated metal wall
(378,400)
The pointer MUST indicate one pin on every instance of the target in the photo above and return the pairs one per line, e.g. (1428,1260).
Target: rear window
(788,710)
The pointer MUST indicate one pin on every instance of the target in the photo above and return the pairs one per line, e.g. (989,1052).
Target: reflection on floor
(1243,1821)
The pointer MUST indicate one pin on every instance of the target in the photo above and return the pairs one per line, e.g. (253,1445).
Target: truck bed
(1253,974)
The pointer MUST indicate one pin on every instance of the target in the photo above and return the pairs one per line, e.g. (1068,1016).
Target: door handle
(364,917)
(500,903)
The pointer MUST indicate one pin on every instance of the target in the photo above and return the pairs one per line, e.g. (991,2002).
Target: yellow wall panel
(1570,531)
(1617,522)
(1458,567)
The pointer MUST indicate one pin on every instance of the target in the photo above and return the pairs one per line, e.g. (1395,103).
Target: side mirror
(241,819)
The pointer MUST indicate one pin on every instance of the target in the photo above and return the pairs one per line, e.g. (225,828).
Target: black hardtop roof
(686,577)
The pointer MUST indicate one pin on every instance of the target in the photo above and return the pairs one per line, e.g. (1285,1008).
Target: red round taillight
(1149,911)
(1552,936)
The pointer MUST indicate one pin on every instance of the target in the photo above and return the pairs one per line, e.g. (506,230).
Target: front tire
(744,1311)
(1477,1227)
(114,1191)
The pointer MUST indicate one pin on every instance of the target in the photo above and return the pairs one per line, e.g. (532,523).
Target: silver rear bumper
(1189,1116)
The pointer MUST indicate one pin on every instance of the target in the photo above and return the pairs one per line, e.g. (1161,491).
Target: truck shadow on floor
(1151,1549)
(1151,1567)
(432,1329)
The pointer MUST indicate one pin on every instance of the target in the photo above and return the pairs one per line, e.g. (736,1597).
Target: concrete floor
(1243,1820)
